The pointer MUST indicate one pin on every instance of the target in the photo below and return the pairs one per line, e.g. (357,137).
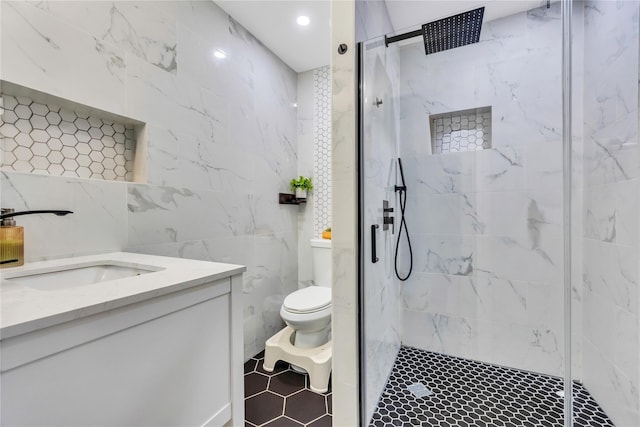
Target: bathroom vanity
(121,339)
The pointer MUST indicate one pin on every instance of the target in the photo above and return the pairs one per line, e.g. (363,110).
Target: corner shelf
(290,199)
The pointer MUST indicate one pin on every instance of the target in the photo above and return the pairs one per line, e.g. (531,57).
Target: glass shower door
(606,330)
(477,330)
(380,299)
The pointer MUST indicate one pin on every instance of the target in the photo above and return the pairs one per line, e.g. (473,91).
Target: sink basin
(72,276)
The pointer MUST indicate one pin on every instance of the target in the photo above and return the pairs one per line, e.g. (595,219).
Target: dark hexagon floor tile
(330,404)
(250,366)
(283,422)
(263,407)
(279,367)
(282,382)
(254,383)
(287,383)
(321,422)
(305,406)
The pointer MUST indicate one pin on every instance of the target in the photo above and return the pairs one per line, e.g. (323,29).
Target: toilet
(305,342)
(308,310)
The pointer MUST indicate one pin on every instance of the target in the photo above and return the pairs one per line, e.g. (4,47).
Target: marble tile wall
(344,211)
(486,226)
(611,329)
(221,137)
(372,20)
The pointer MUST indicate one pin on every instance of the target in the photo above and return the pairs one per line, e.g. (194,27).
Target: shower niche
(463,130)
(47,135)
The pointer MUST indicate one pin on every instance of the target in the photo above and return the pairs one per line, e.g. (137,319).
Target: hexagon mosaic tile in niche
(466,393)
(50,140)
(457,131)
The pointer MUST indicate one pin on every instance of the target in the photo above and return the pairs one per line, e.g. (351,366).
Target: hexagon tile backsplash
(52,140)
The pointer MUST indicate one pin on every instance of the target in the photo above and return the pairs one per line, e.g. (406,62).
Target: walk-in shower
(525,230)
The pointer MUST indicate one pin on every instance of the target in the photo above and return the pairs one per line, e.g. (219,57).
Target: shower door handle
(374,258)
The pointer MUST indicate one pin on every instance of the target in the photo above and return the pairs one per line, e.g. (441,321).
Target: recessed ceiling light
(220,54)
(303,21)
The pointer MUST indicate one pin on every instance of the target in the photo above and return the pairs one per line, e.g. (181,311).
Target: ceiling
(406,14)
(273,22)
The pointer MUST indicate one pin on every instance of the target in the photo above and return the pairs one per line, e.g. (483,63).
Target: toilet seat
(308,300)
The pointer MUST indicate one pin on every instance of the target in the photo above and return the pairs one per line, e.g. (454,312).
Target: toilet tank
(321,249)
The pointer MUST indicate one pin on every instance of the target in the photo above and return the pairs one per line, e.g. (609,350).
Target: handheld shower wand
(402,189)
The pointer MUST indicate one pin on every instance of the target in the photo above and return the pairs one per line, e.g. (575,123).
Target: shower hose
(403,226)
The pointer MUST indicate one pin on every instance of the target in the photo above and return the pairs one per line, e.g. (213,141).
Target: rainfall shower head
(455,31)
(447,33)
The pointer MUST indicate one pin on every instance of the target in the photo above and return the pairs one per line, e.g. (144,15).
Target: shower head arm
(400,37)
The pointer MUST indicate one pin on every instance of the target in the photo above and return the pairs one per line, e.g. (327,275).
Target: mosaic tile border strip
(51,140)
(321,150)
(282,397)
(462,393)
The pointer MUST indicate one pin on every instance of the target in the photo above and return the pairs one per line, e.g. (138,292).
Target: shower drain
(419,390)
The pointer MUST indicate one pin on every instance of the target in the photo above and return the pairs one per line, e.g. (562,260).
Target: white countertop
(24,309)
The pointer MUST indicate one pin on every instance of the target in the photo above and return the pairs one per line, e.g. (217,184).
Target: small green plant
(328,229)
(302,183)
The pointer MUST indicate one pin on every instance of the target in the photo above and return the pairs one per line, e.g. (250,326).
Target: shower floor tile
(461,392)
(282,398)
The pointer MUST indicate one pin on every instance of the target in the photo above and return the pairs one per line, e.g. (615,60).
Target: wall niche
(464,130)
(47,135)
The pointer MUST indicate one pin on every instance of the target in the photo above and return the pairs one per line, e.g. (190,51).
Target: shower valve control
(386,218)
